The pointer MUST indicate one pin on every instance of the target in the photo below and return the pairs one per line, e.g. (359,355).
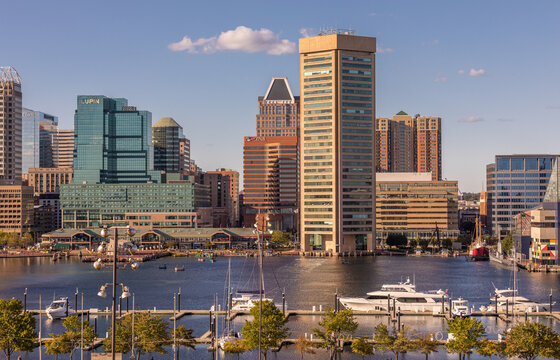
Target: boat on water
(163,267)
(246,299)
(478,250)
(59,309)
(460,308)
(179,268)
(403,295)
(515,302)
(228,335)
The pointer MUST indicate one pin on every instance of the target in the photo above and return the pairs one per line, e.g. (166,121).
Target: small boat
(478,251)
(460,308)
(510,298)
(200,259)
(163,267)
(179,268)
(59,309)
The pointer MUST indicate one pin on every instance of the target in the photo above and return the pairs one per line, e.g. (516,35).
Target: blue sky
(507,100)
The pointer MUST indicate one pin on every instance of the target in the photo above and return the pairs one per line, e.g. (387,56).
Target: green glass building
(113,142)
(93,205)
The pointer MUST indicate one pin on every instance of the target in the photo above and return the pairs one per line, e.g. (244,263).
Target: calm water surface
(307,282)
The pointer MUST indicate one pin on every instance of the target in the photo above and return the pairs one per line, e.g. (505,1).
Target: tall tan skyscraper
(65,148)
(278,110)
(337,177)
(10,126)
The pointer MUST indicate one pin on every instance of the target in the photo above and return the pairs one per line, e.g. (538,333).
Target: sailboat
(229,335)
(477,250)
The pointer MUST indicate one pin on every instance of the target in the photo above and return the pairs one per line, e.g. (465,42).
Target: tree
(235,347)
(73,334)
(447,243)
(27,240)
(304,346)
(361,346)
(151,333)
(396,343)
(412,243)
(424,244)
(13,240)
(281,237)
(17,329)
(57,346)
(507,244)
(529,340)
(273,328)
(465,334)
(397,240)
(489,348)
(184,337)
(335,326)
(427,344)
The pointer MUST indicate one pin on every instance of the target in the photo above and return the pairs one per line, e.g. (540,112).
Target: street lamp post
(105,233)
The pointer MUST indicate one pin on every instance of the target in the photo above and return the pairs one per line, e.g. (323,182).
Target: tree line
(147,333)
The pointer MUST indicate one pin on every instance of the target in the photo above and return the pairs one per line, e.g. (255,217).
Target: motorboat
(404,297)
(246,299)
(179,268)
(515,302)
(460,308)
(59,309)
(163,267)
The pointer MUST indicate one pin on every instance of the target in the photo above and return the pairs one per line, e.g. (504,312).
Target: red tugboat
(477,250)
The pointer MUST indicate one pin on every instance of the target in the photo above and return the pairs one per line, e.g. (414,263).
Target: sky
(490,69)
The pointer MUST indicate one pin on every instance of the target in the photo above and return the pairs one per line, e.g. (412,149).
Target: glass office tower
(113,142)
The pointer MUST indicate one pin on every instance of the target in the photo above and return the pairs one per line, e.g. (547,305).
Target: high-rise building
(113,142)
(519,183)
(224,192)
(39,139)
(278,110)
(65,148)
(337,173)
(10,126)
(270,180)
(185,154)
(171,148)
(16,208)
(409,144)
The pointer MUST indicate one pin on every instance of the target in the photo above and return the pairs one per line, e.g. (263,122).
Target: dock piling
(25,301)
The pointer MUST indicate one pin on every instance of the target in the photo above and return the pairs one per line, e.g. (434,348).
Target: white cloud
(479,72)
(306,32)
(461,72)
(442,79)
(372,14)
(471,119)
(241,38)
(382,50)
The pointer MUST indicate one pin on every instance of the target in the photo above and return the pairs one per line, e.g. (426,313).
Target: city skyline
(475,70)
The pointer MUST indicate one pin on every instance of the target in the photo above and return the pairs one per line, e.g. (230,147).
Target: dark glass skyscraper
(166,140)
(113,142)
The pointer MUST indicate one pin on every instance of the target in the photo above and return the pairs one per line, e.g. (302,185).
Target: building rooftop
(401,113)
(9,74)
(279,90)
(403,176)
(167,122)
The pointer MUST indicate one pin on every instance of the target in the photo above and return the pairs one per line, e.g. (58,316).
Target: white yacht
(515,302)
(460,308)
(245,300)
(403,294)
(59,309)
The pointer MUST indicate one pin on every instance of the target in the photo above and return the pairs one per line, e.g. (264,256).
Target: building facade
(337,176)
(16,209)
(113,142)
(92,205)
(270,180)
(48,180)
(518,183)
(39,139)
(409,144)
(278,110)
(10,126)
(170,146)
(65,148)
(224,192)
(414,205)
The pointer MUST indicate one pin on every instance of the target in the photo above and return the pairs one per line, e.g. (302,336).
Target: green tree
(489,348)
(335,326)
(412,243)
(151,334)
(447,243)
(424,244)
(13,241)
(281,237)
(529,340)
(397,240)
(3,239)
(184,337)
(274,329)
(507,244)
(304,346)
(397,343)
(17,329)
(427,344)
(235,347)
(466,333)
(361,346)
(57,346)
(27,240)
(73,334)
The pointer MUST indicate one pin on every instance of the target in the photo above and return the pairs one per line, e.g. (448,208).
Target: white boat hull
(365,305)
